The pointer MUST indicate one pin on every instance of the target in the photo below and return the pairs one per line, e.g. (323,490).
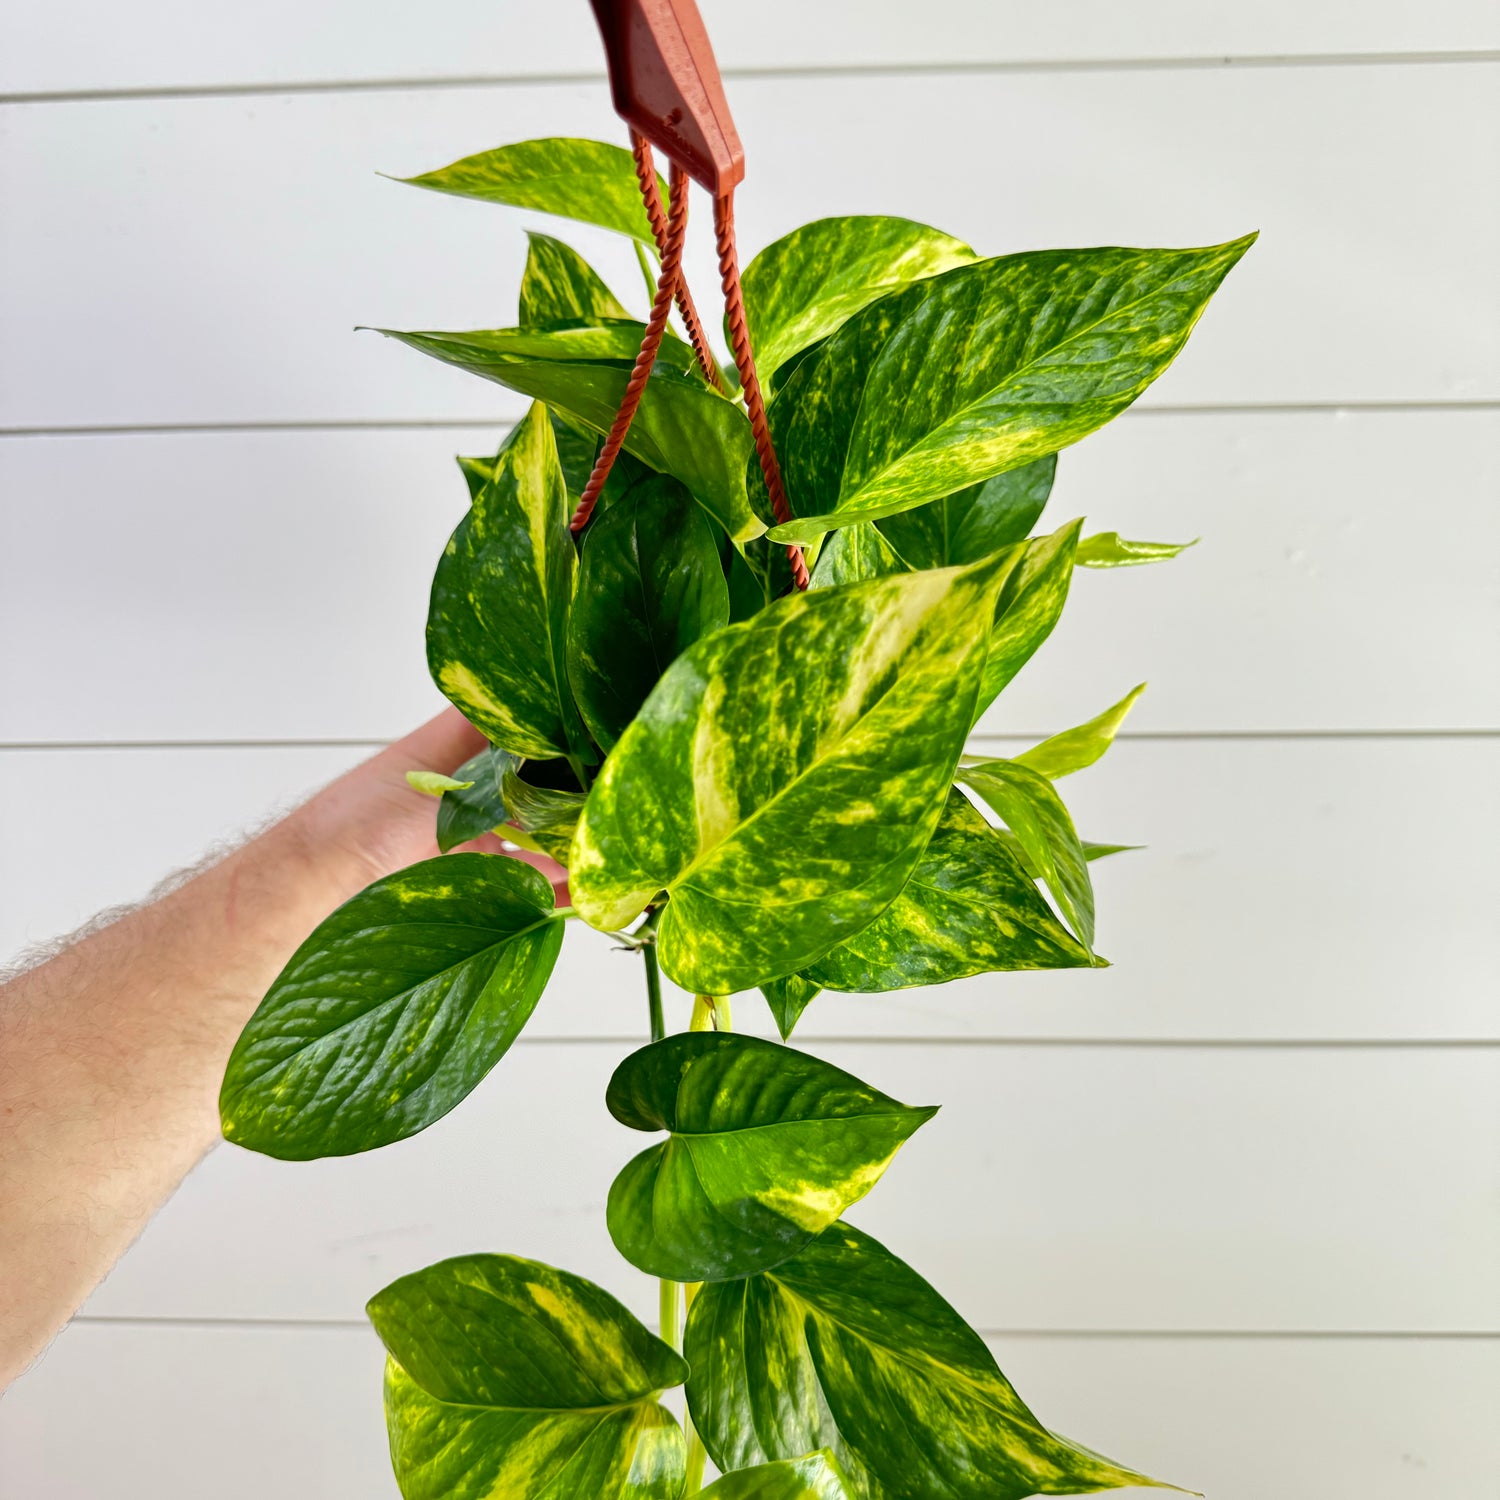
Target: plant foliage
(770,789)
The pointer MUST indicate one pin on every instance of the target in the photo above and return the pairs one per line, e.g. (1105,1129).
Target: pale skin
(111,1052)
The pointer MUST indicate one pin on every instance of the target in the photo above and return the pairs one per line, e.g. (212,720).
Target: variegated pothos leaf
(508,1377)
(497,627)
(802,287)
(560,286)
(393,1010)
(845,1346)
(785,774)
(969,908)
(1108,549)
(575,179)
(952,380)
(767,1147)
(818,1476)
(1075,749)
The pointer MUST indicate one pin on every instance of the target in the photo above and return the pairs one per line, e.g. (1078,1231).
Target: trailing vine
(727,649)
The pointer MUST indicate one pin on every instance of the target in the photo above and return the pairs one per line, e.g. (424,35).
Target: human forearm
(111,1053)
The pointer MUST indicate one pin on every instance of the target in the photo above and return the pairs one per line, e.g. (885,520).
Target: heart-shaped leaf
(682,427)
(768,1146)
(969,908)
(785,774)
(1108,549)
(1074,749)
(560,286)
(507,1377)
(497,627)
(802,287)
(975,522)
(982,369)
(650,584)
(815,1477)
(393,1010)
(465,813)
(1027,804)
(846,1347)
(575,179)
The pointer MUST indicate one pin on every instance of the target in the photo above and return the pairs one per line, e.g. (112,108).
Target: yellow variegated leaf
(785,774)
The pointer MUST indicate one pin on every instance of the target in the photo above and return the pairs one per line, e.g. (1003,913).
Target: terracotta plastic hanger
(666,86)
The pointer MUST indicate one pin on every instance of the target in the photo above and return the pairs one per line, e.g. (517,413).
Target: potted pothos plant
(758,787)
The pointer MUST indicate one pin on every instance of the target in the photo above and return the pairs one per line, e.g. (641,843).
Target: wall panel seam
(817,71)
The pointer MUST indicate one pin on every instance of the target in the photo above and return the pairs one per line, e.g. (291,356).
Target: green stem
(653,991)
(671,1313)
(697,1457)
(580,770)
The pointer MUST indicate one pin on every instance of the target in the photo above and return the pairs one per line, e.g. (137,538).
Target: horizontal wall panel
(297,1411)
(87,44)
(204,260)
(1287,890)
(1058,1188)
(274,585)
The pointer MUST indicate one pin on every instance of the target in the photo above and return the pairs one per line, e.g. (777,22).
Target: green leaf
(468,811)
(497,628)
(1074,749)
(788,998)
(682,427)
(1030,604)
(969,908)
(1108,549)
(816,1477)
(560,286)
(434,783)
(852,555)
(975,522)
(985,368)
(758,573)
(785,774)
(393,1010)
(846,1347)
(804,286)
(1027,804)
(575,179)
(548,814)
(507,1377)
(650,584)
(768,1146)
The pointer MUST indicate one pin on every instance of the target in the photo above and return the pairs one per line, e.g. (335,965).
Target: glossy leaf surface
(788,998)
(393,1010)
(574,179)
(969,908)
(507,1377)
(466,812)
(854,554)
(1074,749)
(784,776)
(816,1477)
(560,286)
(497,627)
(846,1347)
(682,427)
(954,380)
(767,1147)
(549,815)
(802,287)
(649,585)
(1108,549)
(975,522)
(1030,604)
(1027,804)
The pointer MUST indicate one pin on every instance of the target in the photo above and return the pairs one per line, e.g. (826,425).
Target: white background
(1230,1210)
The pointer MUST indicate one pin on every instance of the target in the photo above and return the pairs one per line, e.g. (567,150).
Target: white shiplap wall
(1229,1209)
